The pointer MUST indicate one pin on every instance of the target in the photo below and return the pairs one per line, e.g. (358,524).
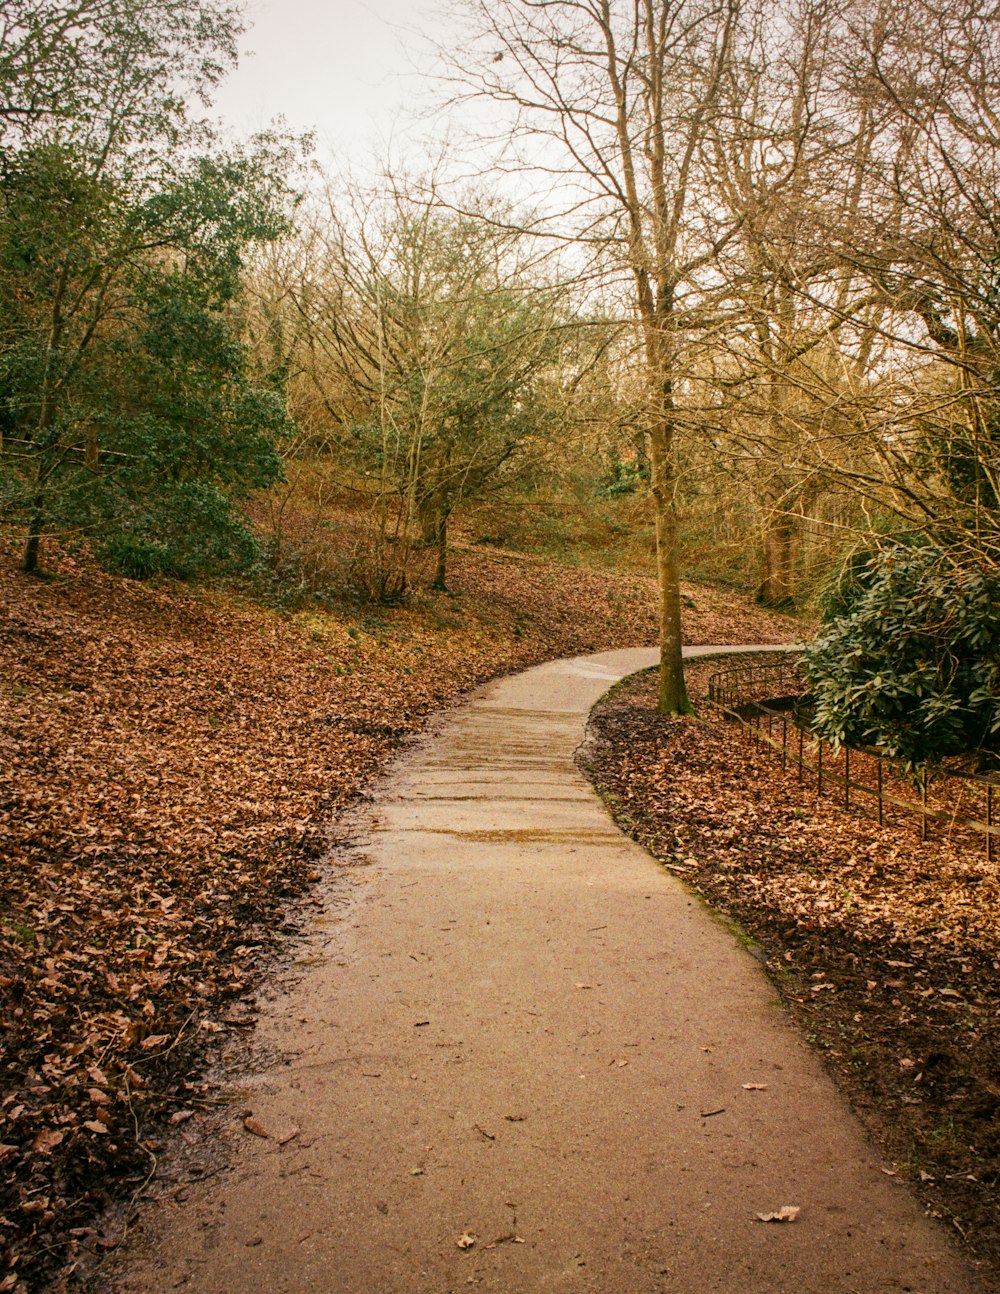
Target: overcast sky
(344,68)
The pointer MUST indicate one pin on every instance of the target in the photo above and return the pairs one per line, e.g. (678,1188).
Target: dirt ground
(886,950)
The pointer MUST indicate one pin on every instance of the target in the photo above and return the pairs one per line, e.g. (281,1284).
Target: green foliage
(181,532)
(860,569)
(622,478)
(913,664)
(127,411)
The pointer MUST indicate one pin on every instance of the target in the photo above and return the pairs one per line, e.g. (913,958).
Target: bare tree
(894,339)
(933,74)
(611,104)
(797,204)
(856,366)
(434,349)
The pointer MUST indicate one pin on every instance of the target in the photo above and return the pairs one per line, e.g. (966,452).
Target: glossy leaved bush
(912,665)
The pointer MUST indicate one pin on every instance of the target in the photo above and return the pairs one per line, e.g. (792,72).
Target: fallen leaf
(92,1125)
(755,1087)
(47,1140)
(509,1239)
(252,1125)
(154,1040)
(787,1213)
(465,1241)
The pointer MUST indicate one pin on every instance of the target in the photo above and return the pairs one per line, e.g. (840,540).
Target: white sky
(342,68)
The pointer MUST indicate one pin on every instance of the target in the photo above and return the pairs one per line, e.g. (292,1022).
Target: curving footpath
(520,1057)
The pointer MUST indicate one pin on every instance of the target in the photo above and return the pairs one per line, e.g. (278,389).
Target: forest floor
(885,949)
(173,764)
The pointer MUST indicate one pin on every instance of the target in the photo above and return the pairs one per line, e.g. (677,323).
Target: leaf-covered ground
(170,765)
(886,950)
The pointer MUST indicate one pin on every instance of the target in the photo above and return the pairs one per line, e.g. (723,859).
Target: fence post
(784,742)
(923,802)
(989,823)
(802,738)
(847,777)
(819,767)
(879,765)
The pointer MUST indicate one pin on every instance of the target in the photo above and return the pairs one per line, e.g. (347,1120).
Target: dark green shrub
(183,531)
(622,478)
(913,664)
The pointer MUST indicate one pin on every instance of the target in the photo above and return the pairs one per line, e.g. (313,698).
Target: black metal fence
(771,703)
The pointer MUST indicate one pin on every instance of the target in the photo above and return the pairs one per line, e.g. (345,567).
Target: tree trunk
(641,455)
(777,584)
(441,573)
(29,559)
(46,421)
(427,518)
(673,697)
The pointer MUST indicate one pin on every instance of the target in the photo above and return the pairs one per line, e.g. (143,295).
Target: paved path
(514,1026)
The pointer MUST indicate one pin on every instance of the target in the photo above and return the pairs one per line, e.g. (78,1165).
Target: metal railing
(771,703)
